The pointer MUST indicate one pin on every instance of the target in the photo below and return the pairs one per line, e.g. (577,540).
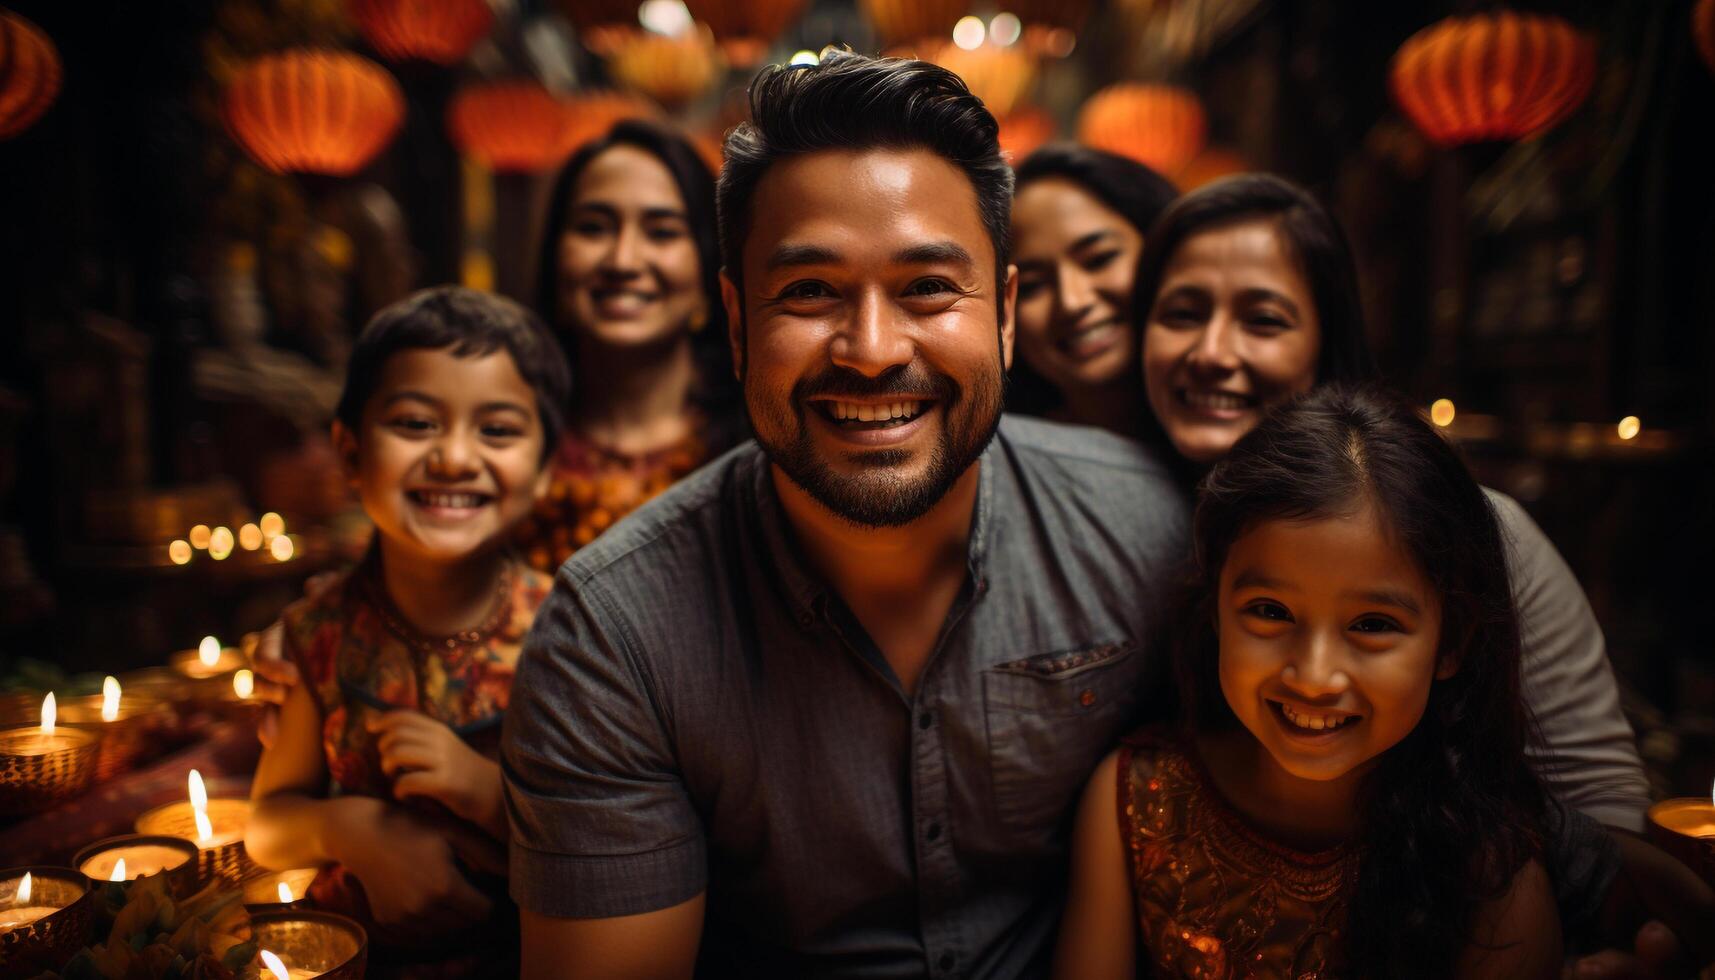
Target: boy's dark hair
(855,102)
(469,323)
(1454,810)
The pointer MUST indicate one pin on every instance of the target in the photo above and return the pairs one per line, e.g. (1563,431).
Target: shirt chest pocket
(1050,719)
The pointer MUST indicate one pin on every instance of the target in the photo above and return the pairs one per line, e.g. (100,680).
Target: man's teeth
(1315,723)
(449,499)
(1218,400)
(851,411)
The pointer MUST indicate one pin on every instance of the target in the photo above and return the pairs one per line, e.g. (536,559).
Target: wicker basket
(35,780)
(323,941)
(48,942)
(229,861)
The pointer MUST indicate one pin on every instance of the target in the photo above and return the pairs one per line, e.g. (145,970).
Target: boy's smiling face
(448,457)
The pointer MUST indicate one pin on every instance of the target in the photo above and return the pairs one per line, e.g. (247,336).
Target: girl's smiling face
(1329,641)
(449,457)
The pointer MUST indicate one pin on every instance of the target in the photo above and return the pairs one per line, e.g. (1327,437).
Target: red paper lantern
(1499,76)
(29,74)
(313,110)
(997,76)
(745,28)
(510,127)
(1024,130)
(1160,126)
(1703,30)
(670,70)
(441,31)
(901,21)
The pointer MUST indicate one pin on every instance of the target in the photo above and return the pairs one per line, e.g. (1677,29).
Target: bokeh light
(1442,412)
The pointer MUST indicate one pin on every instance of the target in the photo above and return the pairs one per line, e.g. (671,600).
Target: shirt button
(934,831)
(924,720)
(1087,698)
(946,961)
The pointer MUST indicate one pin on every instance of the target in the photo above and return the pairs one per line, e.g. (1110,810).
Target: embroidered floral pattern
(1216,900)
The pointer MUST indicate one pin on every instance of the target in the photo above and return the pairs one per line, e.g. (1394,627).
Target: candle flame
(243,683)
(199,792)
(49,713)
(118,871)
(205,830)
(208,651)
(24,890)
(275,966)
(285,892)
(110,698)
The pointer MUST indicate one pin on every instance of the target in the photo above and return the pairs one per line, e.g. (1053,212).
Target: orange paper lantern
(1500,76)
(1023,131)
(510,127)
(670,70)
(1160,126)
(29,74)
(900,21)
(441,31)
(1703,30)
(745,28)
(591,114)
(998,76)
(313,110)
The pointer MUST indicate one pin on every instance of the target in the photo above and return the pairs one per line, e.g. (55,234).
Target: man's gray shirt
(696,710)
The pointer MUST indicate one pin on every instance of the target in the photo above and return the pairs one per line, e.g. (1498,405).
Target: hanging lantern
(1501,76)
(1159,126)
(903,21)
(1210,165)
(1024,130)
(670,70)
(590,115)
(441,31)
(510,127)
(29,74)
(1703,30)
(313,110)
(745,28)
(997,76)
(1067,14)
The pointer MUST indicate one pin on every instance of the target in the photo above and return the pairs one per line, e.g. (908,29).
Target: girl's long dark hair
(1128,188)
(716,393)
(1454,810)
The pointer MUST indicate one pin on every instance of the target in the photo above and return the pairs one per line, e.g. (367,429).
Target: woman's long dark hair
(1128,188)
(1454,810)
(716,392)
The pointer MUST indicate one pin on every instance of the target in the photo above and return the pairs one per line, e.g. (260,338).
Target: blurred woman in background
(627,276)
(1078,221)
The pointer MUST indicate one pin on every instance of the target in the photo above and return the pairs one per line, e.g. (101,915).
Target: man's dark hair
(468,323)
(854,102)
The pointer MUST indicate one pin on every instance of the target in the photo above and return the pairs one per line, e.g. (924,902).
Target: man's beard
(879,496)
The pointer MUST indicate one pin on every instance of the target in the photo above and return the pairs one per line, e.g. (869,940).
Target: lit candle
(280,971)
(44,765)
(110,699)
(41,739)
(209,659)
(208,652)
(1685,828)
(19,912)
(244,684)
(131,857)
(279,887)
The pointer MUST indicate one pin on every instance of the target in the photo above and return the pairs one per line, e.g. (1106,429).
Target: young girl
(1348,794)
(382,772)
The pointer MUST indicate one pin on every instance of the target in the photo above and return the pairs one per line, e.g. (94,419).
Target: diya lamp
(299,944)
(43,764)
(125,719)
(1685,828)
(209,660)
(278,890)
(215,826)
(132,856)
(46,915)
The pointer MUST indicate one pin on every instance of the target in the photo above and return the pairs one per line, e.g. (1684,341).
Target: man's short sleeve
(601,824)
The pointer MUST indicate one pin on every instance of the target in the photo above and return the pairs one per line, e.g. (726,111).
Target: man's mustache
(907,381)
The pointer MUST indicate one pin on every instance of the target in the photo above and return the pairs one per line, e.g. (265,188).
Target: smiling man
(823,708)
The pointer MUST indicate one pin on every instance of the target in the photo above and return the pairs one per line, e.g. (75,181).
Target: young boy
(383,768)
